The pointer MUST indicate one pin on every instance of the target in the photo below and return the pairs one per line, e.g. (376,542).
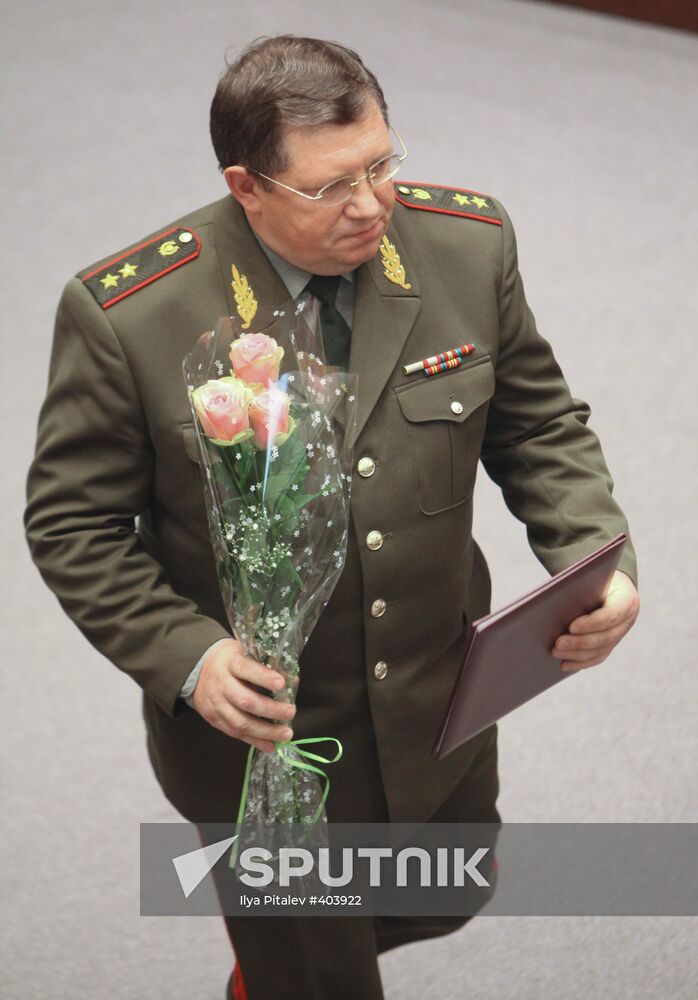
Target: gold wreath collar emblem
(393,268)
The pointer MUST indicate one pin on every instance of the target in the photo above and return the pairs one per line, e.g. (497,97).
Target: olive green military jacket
(116,520)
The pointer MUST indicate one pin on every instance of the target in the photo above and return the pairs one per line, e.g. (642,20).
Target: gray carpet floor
(584,126)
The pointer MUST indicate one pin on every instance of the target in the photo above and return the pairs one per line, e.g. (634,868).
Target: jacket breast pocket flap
(445,418)
(432,397)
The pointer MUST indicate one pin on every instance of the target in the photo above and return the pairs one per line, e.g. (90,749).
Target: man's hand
(592,637)
(224,695)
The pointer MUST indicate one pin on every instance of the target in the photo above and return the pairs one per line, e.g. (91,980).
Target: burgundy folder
(508,659)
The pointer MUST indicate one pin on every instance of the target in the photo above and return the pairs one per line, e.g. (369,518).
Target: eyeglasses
(341,190)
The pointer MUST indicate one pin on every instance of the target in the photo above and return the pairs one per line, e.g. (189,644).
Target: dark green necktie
(336,334)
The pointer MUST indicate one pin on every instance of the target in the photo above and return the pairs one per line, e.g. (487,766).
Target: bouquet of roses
(274,427)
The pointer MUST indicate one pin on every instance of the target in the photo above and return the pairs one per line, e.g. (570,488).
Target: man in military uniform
(403,272)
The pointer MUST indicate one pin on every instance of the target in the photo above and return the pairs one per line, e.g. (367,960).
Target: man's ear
(244,187)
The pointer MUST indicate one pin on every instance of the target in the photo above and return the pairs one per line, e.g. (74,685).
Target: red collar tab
(447,201)
(142,265)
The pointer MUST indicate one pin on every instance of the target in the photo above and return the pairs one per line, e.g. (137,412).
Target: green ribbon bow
(281,750)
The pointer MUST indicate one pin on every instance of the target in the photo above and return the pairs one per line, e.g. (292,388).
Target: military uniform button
(185,237)
(403,190)
(380,670)
(456,407)
(378,607)
(366,466)
(374,540)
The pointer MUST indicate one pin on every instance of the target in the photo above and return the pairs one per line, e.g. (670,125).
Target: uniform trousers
(335,957)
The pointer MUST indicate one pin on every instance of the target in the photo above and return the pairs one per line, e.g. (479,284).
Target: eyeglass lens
(343,189)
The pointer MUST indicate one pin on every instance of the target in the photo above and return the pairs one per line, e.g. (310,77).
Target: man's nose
(363,203)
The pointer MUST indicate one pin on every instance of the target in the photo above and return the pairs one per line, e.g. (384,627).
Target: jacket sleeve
(538,447)
(88,482)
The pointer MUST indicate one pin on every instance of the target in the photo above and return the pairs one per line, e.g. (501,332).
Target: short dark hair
(281,81)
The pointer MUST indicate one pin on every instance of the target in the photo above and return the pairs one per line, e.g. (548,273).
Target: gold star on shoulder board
(110,281)
(480,202)
(128,270)
(462,199)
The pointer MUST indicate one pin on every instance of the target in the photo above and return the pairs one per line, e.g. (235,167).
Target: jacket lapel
(236,244)
(384,314)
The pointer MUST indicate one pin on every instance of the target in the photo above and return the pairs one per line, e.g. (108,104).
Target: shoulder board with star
(447,201)
(142,265)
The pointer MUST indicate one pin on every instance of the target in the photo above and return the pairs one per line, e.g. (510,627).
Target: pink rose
(269,417)
(222,406)
(256,359)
